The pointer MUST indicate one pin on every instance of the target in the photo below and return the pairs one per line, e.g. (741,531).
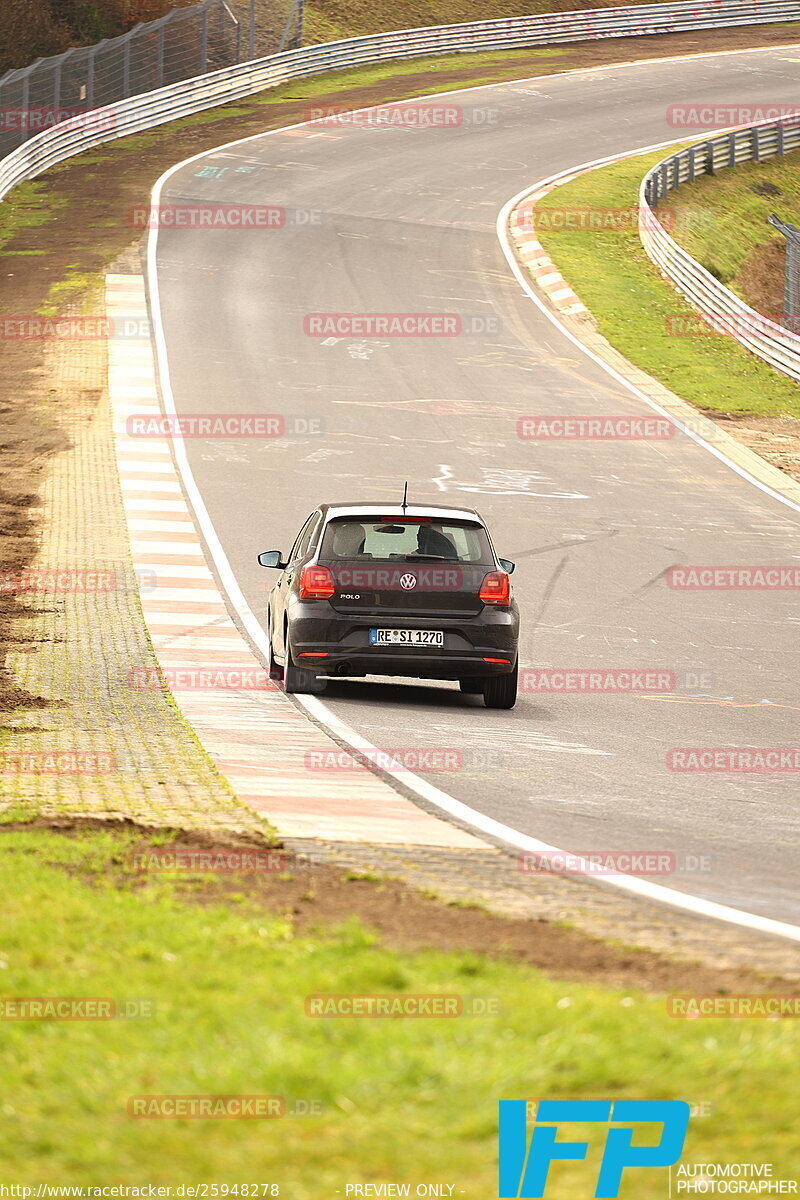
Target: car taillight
(316,583)
(496,588)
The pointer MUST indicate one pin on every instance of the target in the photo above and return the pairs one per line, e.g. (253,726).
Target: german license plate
(406,637)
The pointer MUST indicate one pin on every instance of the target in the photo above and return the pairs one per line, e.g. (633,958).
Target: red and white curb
(538,264)
(255,736)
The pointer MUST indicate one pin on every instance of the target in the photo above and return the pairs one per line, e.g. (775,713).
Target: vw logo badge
(408,581)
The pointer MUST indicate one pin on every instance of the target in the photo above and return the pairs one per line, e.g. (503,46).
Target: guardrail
(721,308)
(143,112)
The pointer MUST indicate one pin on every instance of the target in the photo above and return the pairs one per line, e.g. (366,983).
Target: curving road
(403,220)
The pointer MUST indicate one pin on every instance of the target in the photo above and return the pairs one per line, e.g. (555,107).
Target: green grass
(722,218)
(26,207)
(83,289)
(404,1100)
(633,305)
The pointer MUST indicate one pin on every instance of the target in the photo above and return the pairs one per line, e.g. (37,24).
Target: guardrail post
(779,131)
(664,188)
(90,78)
(791,278)
(57,84)
(755,148)
(691,164)
(732,149)
(126,68)
(26,101)
(709,149)
(160,67)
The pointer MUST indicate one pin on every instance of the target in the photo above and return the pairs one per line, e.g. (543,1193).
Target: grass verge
(404,1100)
(638,311)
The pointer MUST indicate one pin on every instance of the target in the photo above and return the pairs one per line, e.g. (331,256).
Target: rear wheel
(299,680)
(500,691)
(472,686)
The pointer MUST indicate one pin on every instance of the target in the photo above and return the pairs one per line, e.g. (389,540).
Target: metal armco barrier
(720,307)
(234,83)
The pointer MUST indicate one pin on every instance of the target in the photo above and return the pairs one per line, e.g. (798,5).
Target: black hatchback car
(400,590)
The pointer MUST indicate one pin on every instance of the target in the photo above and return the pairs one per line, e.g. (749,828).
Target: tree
(29,30)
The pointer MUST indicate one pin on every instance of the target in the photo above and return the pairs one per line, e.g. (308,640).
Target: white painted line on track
(643,889)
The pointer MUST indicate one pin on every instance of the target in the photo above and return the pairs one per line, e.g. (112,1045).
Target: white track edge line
(446,803)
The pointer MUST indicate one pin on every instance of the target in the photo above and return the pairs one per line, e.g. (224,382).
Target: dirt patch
(761,277)
(88,200)
(316,897)
(776,439)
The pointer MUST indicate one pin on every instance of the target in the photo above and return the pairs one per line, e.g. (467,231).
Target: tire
(472,686)
(299,681)
(274,670)
(500,691)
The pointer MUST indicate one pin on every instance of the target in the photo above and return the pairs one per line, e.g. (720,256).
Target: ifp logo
(524,1167)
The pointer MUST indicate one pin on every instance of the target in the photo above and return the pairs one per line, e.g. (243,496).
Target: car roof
(381,508)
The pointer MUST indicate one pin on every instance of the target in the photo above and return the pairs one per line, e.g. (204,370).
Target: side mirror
(271,558)
(507,565)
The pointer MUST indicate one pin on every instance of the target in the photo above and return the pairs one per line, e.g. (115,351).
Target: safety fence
(721,308)
(185,43)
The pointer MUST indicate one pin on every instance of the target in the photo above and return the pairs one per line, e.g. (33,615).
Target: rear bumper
(316,629)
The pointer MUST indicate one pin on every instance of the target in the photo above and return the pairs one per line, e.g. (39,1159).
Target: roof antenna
(405,496)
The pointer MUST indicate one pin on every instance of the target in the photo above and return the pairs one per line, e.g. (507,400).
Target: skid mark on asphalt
(578,540)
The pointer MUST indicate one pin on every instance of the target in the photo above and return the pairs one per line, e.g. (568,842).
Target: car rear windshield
(371,539)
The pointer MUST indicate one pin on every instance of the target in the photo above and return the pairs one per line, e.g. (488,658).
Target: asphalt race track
(397,220)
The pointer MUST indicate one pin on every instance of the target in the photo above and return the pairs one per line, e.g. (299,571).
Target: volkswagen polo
(394,590)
